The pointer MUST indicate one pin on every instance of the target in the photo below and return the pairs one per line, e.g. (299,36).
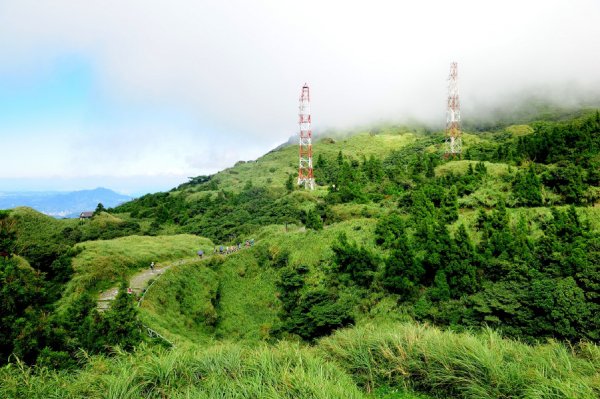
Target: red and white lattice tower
(453,147)
(305,167)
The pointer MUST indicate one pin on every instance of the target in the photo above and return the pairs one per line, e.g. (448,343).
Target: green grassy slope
(102,264)
(271,170)
(447,364)
(35,228)
(241,289)
(247,305)
(180,303)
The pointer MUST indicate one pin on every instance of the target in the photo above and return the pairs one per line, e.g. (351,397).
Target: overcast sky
(139,95)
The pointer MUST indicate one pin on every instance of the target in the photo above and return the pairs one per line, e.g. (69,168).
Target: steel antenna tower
(305,167)
(453,145)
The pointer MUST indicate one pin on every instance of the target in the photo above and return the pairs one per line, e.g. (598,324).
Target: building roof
(86,214)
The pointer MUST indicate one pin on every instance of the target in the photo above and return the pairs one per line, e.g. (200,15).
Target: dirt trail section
(139,281)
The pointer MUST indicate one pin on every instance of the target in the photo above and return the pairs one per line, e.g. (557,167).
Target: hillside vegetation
(404,273)
(502,237)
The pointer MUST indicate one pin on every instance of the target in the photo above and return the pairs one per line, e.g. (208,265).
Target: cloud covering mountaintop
(116,90)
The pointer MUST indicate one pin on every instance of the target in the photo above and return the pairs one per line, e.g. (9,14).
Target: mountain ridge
(61,204)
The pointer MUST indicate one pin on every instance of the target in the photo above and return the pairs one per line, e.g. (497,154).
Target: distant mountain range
(62,204)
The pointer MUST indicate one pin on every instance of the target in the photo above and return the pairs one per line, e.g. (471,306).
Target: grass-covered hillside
(403,274)
(463,242)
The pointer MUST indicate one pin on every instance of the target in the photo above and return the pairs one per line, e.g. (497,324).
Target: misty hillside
(404,274)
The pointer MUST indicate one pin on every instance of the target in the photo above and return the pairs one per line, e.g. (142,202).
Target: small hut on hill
(86,215)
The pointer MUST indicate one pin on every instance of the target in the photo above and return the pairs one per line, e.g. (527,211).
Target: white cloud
(236,67)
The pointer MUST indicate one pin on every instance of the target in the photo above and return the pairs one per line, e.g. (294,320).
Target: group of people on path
(222,250)
(226,250)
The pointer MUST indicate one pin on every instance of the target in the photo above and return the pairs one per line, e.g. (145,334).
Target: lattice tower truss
(453,142)
(305,167)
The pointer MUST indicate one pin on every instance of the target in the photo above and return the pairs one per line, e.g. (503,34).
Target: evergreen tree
(289,285)
(21,299)
(422,208)
(121,324)
(430,169)
(82,322)
(567,180)
(461,270)
(313,220)
(309,313)
(321,162)
(355,264)
(373,169)
(435,245)
(418,165)
(480,168)
(401,273)
(470,171)
(99,208)
(388,230)
(440,290)
(527,188)
(449,206)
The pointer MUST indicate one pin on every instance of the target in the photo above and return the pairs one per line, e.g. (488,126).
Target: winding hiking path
(139,285)
(139,281)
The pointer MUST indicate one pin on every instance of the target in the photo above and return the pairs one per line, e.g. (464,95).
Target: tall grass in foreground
(388,362)
(448,364)
(221,371)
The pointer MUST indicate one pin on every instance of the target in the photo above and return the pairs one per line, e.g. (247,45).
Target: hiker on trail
(152,267)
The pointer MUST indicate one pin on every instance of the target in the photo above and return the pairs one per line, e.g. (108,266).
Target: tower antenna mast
(453,143)
(305,167)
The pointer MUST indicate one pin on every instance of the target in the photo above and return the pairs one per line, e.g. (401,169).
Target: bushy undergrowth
(464,365)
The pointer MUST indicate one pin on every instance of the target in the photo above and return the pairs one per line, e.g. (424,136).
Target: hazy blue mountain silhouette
(62,204)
